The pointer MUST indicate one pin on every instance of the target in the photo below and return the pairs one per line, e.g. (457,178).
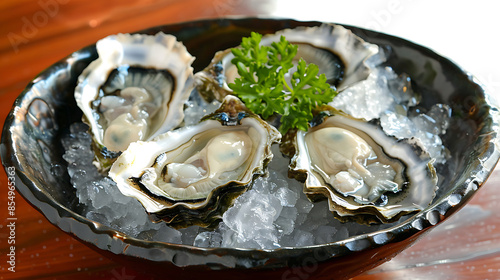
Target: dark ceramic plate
(46,108)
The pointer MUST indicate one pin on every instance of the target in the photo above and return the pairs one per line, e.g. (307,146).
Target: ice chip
(325,234)
(286,196)
(303,205)
(189,234)
(208,239)
(167,234)
(285,225)
(303,238)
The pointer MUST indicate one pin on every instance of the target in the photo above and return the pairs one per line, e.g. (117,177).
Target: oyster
(191,175)
(135,90)
(366,175)
(342,56)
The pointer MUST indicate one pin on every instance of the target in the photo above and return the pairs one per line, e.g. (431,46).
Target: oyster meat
(342,56)
(191,175)
(365,175)
(135,90)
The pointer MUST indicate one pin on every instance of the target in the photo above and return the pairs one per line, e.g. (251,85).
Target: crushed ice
(274,212)
(385,96)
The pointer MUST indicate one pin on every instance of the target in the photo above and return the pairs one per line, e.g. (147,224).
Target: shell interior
(185,172)
(343,57)
(136,89)
(374,179)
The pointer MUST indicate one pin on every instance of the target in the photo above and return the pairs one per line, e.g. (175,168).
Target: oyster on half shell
(135,90)
(366,175)
(191,175)
(342,56)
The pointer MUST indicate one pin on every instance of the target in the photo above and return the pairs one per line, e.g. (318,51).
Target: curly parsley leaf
(264,87)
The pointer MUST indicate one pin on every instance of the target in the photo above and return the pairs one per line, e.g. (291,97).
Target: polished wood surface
(36,34)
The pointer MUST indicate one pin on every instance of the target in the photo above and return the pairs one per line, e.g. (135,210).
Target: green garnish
(264,89)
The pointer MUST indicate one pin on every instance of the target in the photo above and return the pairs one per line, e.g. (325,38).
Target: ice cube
(167,234)
(303,238)
(286,196)
(325,234)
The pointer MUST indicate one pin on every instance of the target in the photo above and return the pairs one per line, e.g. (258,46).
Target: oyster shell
(191,175)
(366,175)
(135,90)
(342,56)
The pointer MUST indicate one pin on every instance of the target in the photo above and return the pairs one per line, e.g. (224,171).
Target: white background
(464,31)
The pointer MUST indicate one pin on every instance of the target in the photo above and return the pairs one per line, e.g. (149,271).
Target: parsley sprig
(263,86)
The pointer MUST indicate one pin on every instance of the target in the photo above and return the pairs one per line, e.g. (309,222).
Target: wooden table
(35,34)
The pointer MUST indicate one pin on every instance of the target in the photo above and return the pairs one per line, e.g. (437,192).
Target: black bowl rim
(117,243)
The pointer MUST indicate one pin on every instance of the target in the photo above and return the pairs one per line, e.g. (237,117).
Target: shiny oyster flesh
(135,90)
(342,56)
(191,175)
(366,175)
